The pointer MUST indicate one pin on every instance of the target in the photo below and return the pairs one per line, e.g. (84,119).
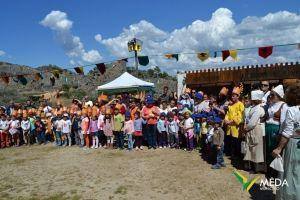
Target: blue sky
(25,41)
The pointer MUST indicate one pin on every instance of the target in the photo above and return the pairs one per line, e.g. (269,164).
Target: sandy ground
(48,172)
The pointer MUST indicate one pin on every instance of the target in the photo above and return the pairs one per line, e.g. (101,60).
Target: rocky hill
(74,85)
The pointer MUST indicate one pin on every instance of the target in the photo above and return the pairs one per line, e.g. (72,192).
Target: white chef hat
(279,90)
(257,95)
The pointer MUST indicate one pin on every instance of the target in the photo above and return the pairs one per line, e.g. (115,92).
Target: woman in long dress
(290,142)
(254,128)
(275,117)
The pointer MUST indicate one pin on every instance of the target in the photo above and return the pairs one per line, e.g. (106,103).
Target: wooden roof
(277,71)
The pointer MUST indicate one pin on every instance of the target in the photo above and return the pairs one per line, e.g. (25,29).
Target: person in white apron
(254,129)
(290,143)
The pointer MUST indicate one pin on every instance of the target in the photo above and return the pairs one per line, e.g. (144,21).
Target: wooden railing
(277,71)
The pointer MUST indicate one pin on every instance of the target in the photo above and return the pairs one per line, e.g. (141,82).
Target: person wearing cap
(233,119)
(201,103)
(4,127)
(275,117)
(25,125)
(118,127)
(218,143)
(254,130)
(150,114)
(289,146)
(66,130)
(129,130)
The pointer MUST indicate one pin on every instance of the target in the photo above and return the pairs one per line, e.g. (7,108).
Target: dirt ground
(48,172)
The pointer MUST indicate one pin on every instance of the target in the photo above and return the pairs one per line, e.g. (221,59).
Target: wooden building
(211,80)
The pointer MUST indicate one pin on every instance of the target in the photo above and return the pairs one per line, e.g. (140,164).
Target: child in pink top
(129,130)
(94,131)
(85,129)
(108,131)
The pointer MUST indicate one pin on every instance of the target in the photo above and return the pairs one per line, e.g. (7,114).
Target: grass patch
(121,190)
(76,197)
(59,196)
(5,187)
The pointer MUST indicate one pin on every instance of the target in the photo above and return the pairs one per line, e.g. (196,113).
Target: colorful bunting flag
(22,79)
(169,56)
(203,56)
(101,67)
(52,80)
(233,54)
(265,52)
(123,59)
(5,79)
(38,76)
(56,73)
(143,60)
(215,54)
(227,53)
(79,70)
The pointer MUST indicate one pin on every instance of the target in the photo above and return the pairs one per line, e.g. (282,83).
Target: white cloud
(219,32)
(2,53)
(58,22)
(98,38)
(91,56)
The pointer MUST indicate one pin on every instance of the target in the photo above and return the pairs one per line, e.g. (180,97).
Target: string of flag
(143,60)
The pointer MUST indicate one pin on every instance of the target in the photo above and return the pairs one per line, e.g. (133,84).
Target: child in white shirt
(25,125)
(66,131)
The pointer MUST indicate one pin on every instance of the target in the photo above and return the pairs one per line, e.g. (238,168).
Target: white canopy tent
(126,83)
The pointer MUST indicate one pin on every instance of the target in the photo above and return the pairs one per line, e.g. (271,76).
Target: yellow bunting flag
(203,56)
(169,56)
(56,73)
(38,76)
(233,54)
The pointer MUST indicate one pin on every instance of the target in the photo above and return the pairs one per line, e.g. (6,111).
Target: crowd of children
(213,125)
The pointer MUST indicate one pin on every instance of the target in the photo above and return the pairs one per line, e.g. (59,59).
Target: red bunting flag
(79,70)
(225,54)
(101,67)
(5,79)
(52,80)
(265,52)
